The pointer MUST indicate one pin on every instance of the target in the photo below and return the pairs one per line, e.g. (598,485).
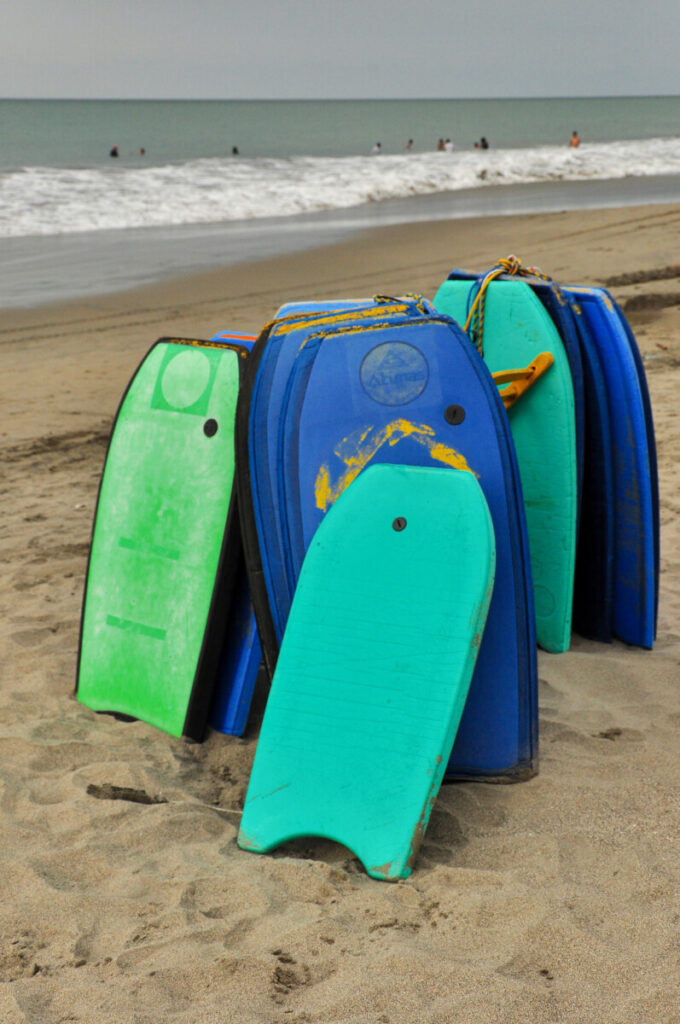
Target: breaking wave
(52,200)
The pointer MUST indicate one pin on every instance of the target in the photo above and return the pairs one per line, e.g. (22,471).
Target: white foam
(50,200)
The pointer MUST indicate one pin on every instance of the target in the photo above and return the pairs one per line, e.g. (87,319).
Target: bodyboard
(341,305)
(239,662)
(257,438)
(241,655)
(235,338)
(322,306)
(635,516)
(593,612)
(651,445)
(374,667)
(159,576)
(559,309)
(516,329)
(417,392)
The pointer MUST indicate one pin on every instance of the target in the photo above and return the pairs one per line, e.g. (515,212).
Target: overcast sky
(240,49)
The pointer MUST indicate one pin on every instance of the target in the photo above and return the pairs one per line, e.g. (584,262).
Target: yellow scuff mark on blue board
(449,456)
(357,450)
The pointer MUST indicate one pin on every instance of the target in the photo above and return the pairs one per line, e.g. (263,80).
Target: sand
(551,900)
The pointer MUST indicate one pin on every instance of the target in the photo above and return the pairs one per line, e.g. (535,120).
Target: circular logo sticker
(394,373)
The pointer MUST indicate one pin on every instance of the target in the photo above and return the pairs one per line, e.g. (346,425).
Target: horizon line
(331,99)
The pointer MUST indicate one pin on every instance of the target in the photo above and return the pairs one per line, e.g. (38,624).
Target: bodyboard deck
(374,667)
(241,656)
(517,328)
(636,547)
(239,663)
(159,575)
(258,419)
(593,614)
(651,447)
(415,391)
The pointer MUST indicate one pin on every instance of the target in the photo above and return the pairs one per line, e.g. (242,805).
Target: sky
(344,49)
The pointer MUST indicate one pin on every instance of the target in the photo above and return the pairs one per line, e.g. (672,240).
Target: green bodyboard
(516,328)
(374,667)
(151,628)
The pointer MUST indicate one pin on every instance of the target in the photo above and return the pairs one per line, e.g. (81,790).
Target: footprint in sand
(288,976)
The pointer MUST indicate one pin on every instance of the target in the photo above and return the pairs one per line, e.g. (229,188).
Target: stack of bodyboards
(389,519)
(612,500)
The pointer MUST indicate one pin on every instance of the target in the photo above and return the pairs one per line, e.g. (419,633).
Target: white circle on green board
(185,378)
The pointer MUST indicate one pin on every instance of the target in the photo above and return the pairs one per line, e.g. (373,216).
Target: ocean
(196,184)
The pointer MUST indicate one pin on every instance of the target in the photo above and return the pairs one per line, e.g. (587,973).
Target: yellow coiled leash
(518,381)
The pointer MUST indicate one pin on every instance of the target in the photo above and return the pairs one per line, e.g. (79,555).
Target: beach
(125,897)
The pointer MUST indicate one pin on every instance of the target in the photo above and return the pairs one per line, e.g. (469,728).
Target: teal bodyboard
(157,587)
(517,328)
(374,667)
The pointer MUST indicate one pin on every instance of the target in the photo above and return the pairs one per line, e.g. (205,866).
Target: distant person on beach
(409,144)
(448,146)
(234,150)
(440,146)
(142,151)
(574,141)
(482,144)
(113,151)
(377,148)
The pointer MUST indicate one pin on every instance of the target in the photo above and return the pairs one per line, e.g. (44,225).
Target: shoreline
(39,270)
(110,333)
(530,903)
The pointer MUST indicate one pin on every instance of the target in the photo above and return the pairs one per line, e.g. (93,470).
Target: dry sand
(551,900)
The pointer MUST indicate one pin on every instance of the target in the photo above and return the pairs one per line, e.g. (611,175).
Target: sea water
(241,179)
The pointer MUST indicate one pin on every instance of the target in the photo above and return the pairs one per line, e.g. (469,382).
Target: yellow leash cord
(512,266)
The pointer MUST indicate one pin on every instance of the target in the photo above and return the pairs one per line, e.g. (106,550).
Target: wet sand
(36,269)
(125,897)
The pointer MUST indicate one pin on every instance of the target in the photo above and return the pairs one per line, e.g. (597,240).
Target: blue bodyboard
(258,418)
(416,391)
(241,655)
(240,662)
(635,501)
(594,577)
(341,305)
(651,445)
